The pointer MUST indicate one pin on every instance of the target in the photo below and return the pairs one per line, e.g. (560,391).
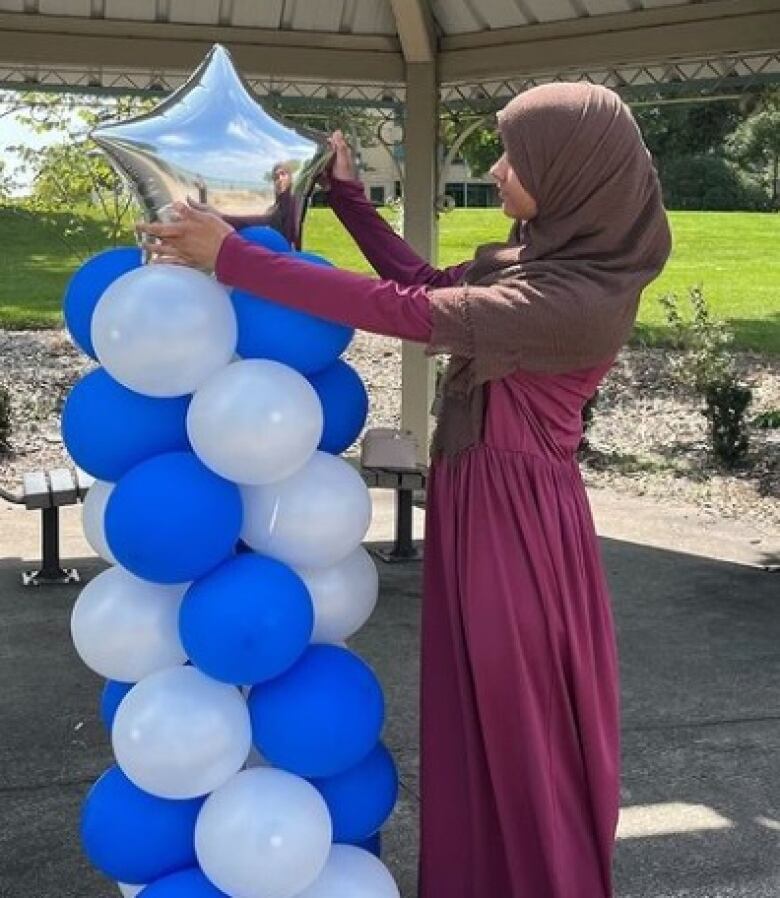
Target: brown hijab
(562,293)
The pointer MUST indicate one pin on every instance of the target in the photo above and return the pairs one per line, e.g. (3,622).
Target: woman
(283,215)
(520,750)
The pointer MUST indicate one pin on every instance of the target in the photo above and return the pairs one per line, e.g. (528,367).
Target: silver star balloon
(214,141)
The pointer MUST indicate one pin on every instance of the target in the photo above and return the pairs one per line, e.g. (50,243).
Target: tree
(480,149)
(11,102)
(6,182)
(756,142)
(74,188)
(693,128)
(690,143)
(710,182)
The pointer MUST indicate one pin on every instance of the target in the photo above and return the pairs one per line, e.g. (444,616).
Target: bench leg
(51,571)
(403,548)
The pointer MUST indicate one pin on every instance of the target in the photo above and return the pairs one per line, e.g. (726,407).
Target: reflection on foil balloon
(212,140)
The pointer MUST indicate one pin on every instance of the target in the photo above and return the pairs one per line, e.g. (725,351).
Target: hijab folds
(562,293)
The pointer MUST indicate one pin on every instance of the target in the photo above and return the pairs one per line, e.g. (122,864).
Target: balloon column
(249,762)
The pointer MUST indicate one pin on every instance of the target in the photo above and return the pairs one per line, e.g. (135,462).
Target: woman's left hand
(193,239)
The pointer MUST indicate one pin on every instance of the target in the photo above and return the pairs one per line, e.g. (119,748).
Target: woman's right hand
(343,168)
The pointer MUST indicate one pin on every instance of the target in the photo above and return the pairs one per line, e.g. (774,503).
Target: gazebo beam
(415,30)
(717,28)
(420,153)
(61,40)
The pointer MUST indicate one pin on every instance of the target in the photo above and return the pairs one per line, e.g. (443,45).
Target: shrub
(5,421)
(588,411)
(725,407)
(768,420)
(706,367)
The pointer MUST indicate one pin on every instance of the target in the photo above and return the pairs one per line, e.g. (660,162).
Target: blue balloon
(372,844)
(113,693)
(134,837)
(266,237)
(108,429)
(321,717)
(184,884)
(86,287)
(362,798)
(247,621)
(267,330)
(344,406)
(171,520)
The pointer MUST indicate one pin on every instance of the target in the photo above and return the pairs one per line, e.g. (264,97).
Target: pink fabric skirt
(520,739)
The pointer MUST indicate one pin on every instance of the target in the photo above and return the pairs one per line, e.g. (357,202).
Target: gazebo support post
(420,229)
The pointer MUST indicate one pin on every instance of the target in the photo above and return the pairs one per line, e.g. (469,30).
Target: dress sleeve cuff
(451,327)
(229,258)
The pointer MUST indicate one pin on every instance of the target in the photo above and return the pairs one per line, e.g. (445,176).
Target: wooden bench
(47,492)
(405,483)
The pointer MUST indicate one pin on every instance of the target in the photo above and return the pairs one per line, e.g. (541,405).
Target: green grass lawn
(734,256)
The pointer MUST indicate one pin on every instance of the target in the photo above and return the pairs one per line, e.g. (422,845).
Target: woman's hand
(343,166)
(194,239)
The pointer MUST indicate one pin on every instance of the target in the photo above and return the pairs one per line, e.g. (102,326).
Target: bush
(768,420)
(5,421)
(725,407)
(706,367)
(710,183)
(588,411)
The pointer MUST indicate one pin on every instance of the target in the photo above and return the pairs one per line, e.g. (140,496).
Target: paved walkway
(699,634)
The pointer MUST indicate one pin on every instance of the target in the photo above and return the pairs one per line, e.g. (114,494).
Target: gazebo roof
(143,43)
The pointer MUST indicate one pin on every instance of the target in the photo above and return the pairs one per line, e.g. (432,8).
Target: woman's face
(282,180)
(516,201)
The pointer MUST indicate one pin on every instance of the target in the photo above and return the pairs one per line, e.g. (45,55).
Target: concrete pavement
(699,637)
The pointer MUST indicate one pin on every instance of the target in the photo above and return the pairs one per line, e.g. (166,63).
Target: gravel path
(645,438)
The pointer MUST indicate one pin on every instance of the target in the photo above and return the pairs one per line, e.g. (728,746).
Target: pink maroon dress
(520,740)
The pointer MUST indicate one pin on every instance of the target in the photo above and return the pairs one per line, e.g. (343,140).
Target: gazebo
(414,55)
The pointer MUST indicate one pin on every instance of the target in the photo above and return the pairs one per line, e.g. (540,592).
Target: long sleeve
(390,255)
(378,306)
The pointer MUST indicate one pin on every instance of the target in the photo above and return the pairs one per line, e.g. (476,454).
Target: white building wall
(380,172)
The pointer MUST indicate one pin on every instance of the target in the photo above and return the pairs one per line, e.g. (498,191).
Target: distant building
(381,175)
(381,172)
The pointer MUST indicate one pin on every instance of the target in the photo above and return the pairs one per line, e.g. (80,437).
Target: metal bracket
(403,547)
(51,570)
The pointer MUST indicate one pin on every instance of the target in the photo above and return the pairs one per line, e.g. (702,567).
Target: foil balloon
(212,140)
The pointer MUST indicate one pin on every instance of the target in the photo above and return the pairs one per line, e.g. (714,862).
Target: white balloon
(130,891)
(126,628)
(352,873)
(163,330)
(93,516)
(180,734)
(255,422)
(265,834)
(313,519)
(344,596)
